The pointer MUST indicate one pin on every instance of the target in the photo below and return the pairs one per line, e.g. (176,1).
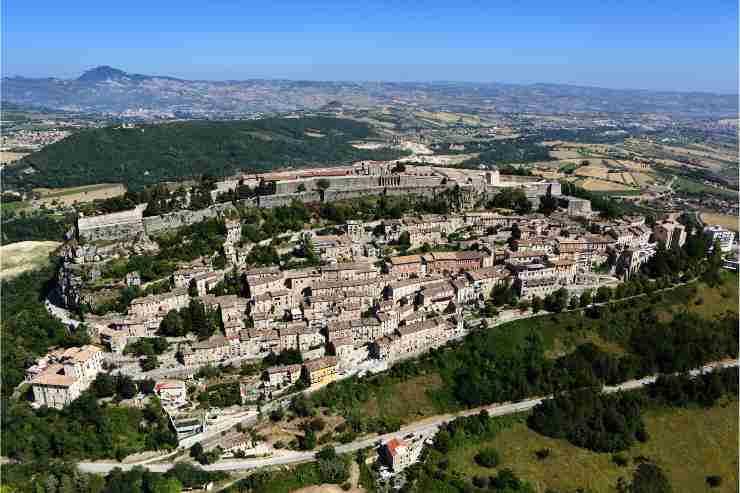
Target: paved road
(425,427)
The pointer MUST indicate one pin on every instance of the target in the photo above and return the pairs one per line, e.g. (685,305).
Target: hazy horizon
(676,46)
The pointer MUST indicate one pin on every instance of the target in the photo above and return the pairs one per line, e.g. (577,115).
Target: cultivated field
(596,185)
(689,444)
(69,196)
(593,172)
(20,257)
(724,220)
(448,118)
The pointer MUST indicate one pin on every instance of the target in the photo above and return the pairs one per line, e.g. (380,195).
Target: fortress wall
(283,199)
(331,195)
(113,226)
(178,219)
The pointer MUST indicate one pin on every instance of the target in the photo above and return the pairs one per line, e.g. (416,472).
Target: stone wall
(335,194)
(113,226)
(279,200)
(174,220)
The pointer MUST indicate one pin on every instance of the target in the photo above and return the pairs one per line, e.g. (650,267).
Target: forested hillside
(150,154)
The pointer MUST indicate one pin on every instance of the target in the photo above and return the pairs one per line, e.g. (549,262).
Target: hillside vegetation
(151,154)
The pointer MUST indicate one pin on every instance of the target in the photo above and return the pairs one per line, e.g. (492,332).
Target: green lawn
(689,444)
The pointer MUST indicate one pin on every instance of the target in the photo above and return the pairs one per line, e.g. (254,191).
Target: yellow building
(321,371)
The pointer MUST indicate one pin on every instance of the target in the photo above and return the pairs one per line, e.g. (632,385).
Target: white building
(717,233)
(70,372)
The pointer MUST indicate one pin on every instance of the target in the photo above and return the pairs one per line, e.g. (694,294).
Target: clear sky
(647,44)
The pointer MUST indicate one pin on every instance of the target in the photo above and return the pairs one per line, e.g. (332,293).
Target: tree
(172,325)
(603,294)
(308,440)
(196,450)
(149,363)
(516,234)
(548,203)
(488,457)
(404,240)
(379,230)
(537,304)
(585,299)
(649,478)
(301,188)
(104,385)
(125,386)
(192,288)
(557,301)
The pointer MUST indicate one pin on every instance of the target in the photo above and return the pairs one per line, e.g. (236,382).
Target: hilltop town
(287,288)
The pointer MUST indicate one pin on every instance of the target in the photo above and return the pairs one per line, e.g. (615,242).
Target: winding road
(428,427)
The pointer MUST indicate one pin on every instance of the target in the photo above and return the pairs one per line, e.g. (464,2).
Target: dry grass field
(20,257)
(689,444)
(448,118)
(7,157)
(69,196)
(724,220)
(596,185)
(593,172)
(643,179)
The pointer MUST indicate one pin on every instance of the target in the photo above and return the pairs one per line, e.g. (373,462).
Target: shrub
(542,454)
(642,435)
(620,460)
(714,481)
(488,457)
(346,486)
(480,482)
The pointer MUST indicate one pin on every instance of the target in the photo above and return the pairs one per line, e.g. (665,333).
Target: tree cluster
(589,419)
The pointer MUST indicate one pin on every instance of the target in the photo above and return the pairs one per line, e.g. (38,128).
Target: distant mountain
(102,73)
(110,90)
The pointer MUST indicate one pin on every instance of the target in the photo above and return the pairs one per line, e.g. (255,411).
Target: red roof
(394,444)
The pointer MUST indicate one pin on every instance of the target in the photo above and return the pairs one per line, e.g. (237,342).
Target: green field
(407,400)
(708,302)
(695,187)
(689,444)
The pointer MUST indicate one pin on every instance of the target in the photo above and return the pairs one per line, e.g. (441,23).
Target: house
(171,392)
(68,373)
(484,280)
(405,266)
(397,454)
(283,376)
(216,348)
(235,443)
(320,371)
(670,233)
(438,262)
(724,236)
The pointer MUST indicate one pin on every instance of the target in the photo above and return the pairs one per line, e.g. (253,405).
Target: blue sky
(658,44)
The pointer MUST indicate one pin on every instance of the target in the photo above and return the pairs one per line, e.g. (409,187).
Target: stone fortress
(316,186)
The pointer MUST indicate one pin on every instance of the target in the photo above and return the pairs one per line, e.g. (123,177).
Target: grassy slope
(688,443)
(23,256)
